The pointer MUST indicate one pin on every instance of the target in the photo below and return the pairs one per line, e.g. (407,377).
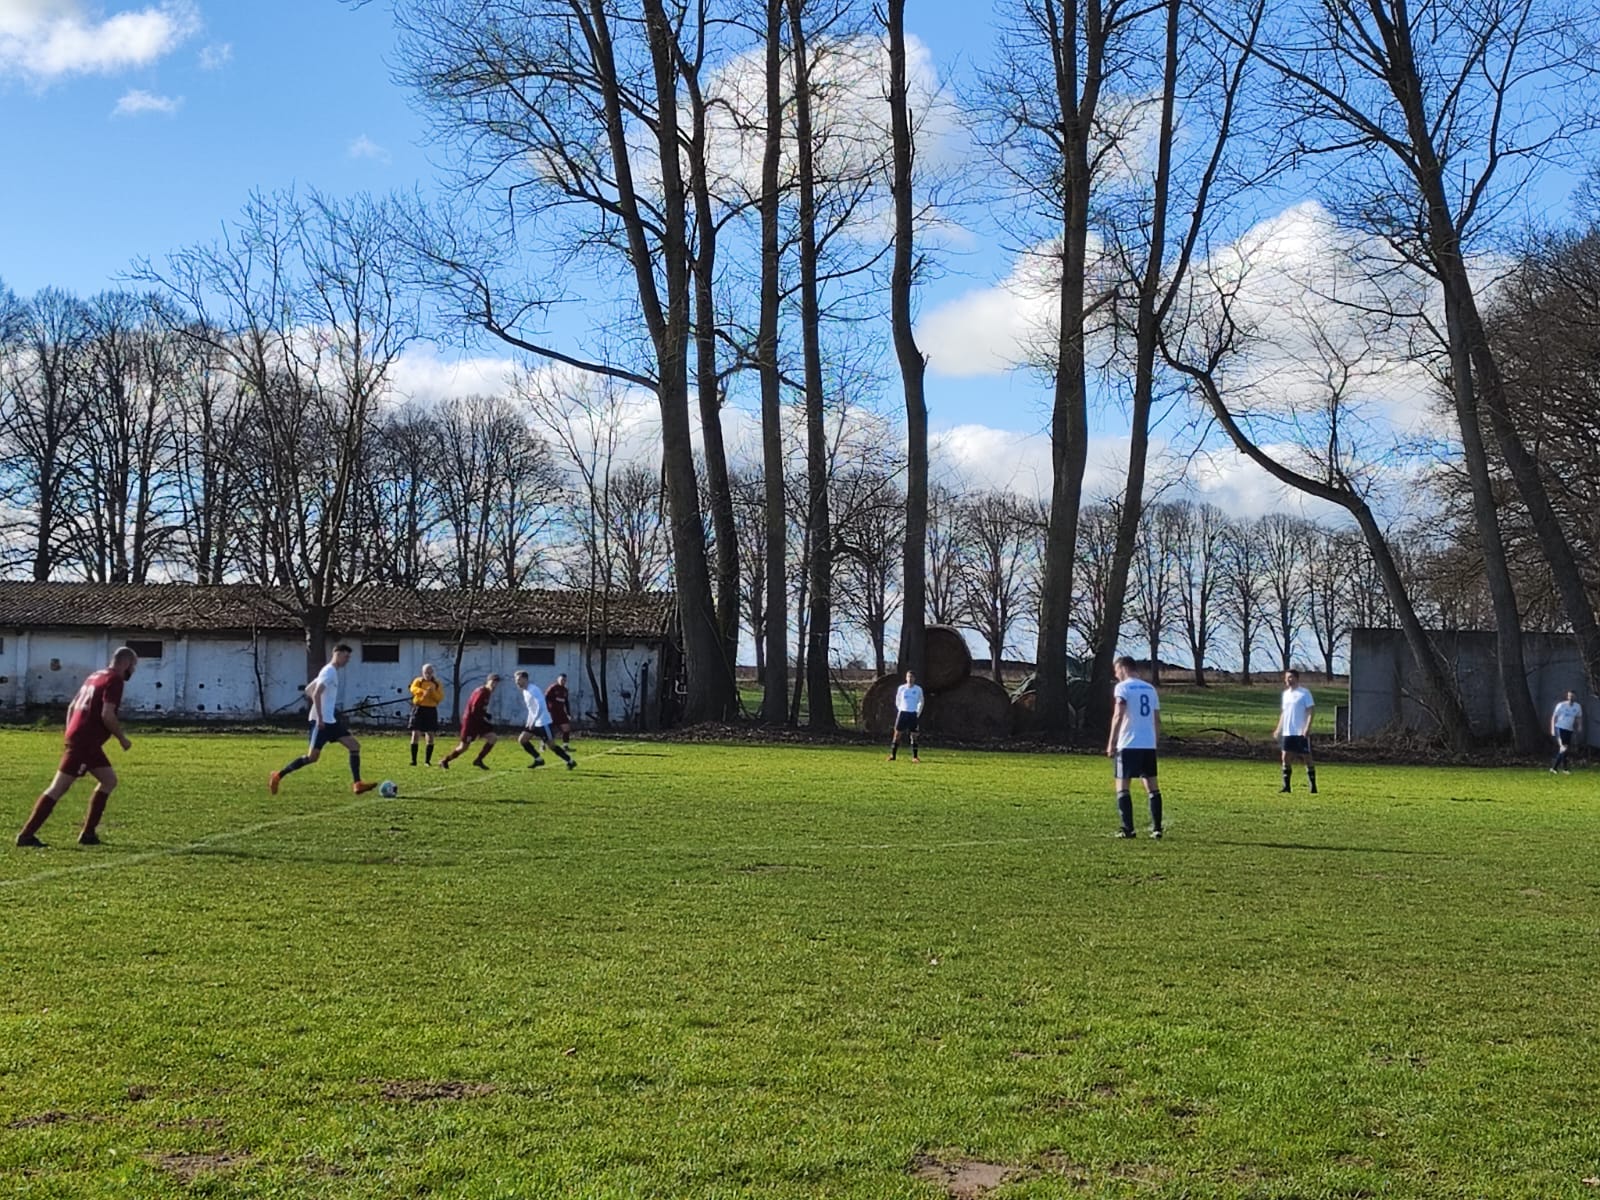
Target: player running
(1131,746)
(475,724)
(537,725)
(908,702)
(91,721)
(560,717)
(1294,729)
(326,727)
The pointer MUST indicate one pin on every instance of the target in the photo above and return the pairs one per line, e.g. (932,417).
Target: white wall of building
(227,677)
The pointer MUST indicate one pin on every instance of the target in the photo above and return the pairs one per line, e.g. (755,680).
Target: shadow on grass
(1320,848)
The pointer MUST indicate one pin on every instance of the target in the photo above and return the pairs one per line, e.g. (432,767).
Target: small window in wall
(145,649)
(536,656)
(380,652)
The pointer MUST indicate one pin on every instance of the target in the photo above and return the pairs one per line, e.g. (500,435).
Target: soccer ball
(387,789)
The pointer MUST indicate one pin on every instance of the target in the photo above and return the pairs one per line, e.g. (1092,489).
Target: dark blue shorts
(1296,745)
(322,735)
(1564,736)
(906,722)
(1134,764)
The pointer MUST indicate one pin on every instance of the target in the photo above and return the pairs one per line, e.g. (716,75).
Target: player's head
(562,679)
(427,670)
(341,654)
(124,660)
(1124,667)
(911,676)
(1291,678)
(493,679)
(1571,696)
(520,679)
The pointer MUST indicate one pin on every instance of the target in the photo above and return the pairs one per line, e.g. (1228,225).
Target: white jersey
(1297,706)
(538,711)
(908,698)
(1567,715)
(328,677)
(1138,730)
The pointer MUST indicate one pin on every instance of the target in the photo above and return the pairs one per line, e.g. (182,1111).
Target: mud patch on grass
(420,1091)
(138,1091)
(39,1120)
(189,1167)
(965,1178)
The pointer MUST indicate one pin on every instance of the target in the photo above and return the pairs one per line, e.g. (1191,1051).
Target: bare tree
(1332,567)
(1155,578)
(946,545)
(1200,534)
(870,538)
(998,542)
(1284,547)
(1239,603)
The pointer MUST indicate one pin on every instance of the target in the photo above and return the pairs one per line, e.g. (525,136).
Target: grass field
(708,971)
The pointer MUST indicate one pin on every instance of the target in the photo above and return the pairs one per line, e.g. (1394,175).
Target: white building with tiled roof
(238,653)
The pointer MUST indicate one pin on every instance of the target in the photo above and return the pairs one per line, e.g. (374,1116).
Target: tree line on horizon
(744,198)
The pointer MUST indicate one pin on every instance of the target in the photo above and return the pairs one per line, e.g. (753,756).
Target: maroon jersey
(556,697)
(478,705)
(85,724)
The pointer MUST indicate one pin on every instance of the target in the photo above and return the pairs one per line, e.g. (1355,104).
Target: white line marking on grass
(228,835)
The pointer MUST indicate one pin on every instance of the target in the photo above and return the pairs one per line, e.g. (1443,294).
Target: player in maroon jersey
(91,722)
(475,724)
(555,698)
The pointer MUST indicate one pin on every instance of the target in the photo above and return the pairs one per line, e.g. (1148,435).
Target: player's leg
(415,738)
(561,752)
(525,740)
(354,747)
(911,734)
(456,751)
(1119,784)
(488,745)
(313,752)
(105,779)
(1311,767)
(894,739)
(45,805)
(1286,759)
(427,750)
(1152,790)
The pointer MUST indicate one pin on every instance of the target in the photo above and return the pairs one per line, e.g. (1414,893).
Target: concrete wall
(1381,667)
(229,678)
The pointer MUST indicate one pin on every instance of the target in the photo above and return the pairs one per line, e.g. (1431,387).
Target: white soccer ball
(387,789)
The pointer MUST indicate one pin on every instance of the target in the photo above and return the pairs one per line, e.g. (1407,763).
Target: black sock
(427,755)
(1288,771)
(560,752)
(1155,810)
(302,761)
(532,753)
(893,748)
(1311,777)
(355,765)
(1125,810)
(413,754)
(913,747)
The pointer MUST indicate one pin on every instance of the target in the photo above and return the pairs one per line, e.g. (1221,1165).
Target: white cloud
(365,147)
(138,102)
(990,330)
(48,39)
(422,375)
(216,56)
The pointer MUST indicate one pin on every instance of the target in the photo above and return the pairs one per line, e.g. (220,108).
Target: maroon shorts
(79,760)
(475,729)
(558,715)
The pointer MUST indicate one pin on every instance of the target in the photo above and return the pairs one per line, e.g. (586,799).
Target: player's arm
(1119,713)
(922,698)
(108,717)
(314,691)
(1278,725)
(1157,720)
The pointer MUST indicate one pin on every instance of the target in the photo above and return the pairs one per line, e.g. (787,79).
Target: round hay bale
(946,661)
(877,706)
(1024,714)
(976,710)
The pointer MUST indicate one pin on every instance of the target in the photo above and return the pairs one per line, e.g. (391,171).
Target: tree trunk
(775,682)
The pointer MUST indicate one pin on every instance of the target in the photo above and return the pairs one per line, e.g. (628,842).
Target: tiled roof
(181,608)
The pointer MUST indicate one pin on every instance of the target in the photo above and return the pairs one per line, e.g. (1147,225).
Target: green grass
(709,971)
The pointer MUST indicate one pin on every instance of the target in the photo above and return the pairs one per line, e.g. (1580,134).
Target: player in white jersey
(326,727)
(538,725)
(1131,745)
(1294,729)
(1565,722)
(908,701)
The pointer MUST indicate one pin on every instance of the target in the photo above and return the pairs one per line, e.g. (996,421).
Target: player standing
(426,694)
(91,721)
(1565,722)
(560,718)
(908,701)
(538,725)
(326,727)
(1131,745)
(1294,729)
(475,724)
